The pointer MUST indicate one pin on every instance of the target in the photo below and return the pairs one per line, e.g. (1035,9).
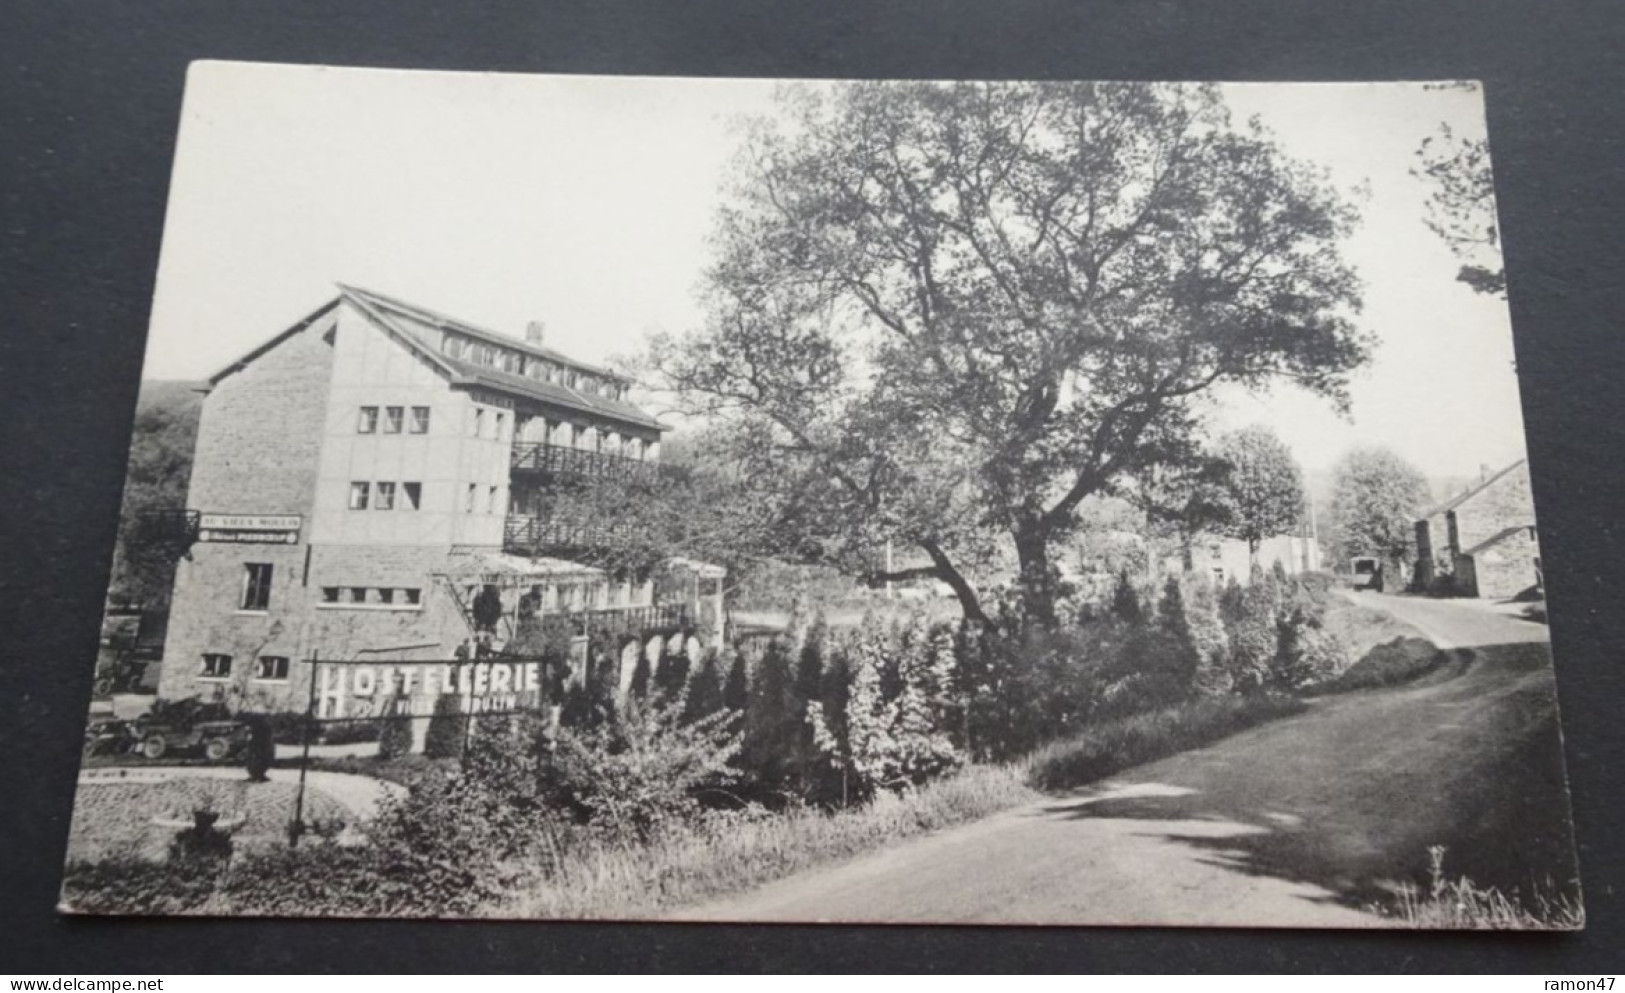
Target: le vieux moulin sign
(261,529)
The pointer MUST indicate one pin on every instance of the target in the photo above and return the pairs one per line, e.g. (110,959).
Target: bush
(134,885)
(395,739)
(644,770)
(1398,661)
(444,737)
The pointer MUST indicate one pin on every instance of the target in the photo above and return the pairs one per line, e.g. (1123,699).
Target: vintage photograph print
(870,501)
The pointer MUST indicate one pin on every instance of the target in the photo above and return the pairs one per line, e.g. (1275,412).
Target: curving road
(1305,822)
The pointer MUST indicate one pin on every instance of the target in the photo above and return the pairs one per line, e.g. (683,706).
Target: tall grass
(1113,746)
(727,854)
(1461,905)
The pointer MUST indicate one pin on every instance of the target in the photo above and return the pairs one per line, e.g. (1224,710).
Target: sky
(586,203)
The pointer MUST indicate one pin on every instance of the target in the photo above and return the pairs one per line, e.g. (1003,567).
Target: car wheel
(216,749)
(154,747)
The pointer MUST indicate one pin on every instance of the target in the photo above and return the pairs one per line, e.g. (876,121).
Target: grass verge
(1461,905)
(1117,745)
(692,865)
(1402,660)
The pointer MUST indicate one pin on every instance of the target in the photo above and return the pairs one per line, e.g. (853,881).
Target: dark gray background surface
(89,101)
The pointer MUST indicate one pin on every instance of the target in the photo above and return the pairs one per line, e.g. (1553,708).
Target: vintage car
(217,740)
(1367,573)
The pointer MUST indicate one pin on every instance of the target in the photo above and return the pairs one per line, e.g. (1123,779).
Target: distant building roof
(1452,503)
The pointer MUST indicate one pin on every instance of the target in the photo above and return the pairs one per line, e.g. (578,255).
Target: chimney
(535,332)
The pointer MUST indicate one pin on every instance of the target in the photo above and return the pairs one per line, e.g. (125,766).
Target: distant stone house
(1482,541)
(1222,559)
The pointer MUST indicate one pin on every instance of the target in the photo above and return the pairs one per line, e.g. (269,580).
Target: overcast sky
(585,202)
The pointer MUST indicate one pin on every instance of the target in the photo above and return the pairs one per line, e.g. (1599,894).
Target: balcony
(557,460)
(526,535)
(662,619)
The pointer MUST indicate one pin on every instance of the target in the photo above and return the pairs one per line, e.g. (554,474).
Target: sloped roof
(1452,503)
(422,328)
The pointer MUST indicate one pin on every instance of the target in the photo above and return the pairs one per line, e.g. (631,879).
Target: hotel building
(361,477)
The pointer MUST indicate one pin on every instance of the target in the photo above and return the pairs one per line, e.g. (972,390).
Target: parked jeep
(189,726)
(1367,573)
(217,740)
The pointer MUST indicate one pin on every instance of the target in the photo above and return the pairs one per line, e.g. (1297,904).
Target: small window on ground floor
(272,668)
(411,496)
(330,594)
(385,497)
(215,666)
(412,595)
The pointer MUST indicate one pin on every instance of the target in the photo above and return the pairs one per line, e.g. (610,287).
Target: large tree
(1376,495)
(1263,487)
(1461,205)
(957,310)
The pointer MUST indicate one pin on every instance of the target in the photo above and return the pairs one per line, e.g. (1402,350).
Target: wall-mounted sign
(272,529)
(413,689)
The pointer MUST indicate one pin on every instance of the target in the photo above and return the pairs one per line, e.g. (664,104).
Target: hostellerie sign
(348,689)
(273,529)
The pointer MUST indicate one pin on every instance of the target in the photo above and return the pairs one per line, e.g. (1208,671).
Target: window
(420,420)
(454,346)
(386,595)
(358,495)
(510,361)
(411,496)
(272,668)
(368,422)
(386,497)
(330,594)
(392,419)
(496,429)
(412,595)
(491,500)
(257,586)
(358,594)
(479,422)
(468,501)
(215,666)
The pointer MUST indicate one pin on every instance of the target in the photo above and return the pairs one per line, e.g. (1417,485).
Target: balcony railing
(527,535)
(663,618)
(541,457)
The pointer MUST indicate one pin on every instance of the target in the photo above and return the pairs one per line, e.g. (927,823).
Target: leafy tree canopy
(1376,495)
(955,311)
(1263,489)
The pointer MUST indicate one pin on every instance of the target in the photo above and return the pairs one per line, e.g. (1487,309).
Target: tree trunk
(1037,584)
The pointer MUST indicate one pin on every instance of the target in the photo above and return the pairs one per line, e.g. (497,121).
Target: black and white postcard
(867,501)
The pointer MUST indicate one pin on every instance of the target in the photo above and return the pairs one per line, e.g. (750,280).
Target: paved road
(1303,822)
